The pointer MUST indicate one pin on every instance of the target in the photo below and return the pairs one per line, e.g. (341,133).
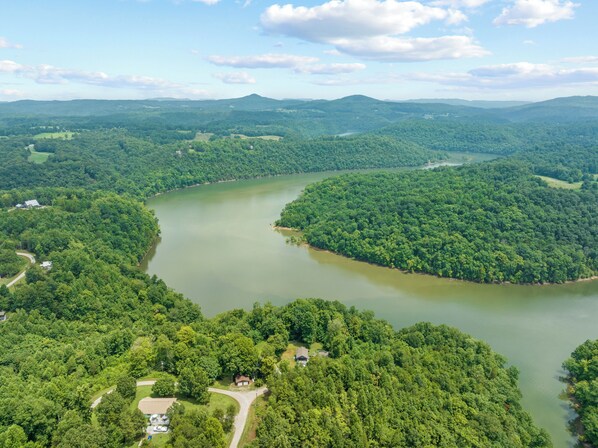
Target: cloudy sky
(388,49)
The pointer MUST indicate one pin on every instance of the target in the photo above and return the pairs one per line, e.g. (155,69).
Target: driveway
(244,398)
(22,274)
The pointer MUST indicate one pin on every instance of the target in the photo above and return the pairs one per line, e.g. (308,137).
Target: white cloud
(206,2)
(235,78)
(330,69)
(393,49)
(48,74)
(6,44)
(520,75)
(372,29)
(532,13)
(299,64)
(333,52)
(581,60)
(11,93)
(460,3)
(351,19)
(529,42)
(270,60)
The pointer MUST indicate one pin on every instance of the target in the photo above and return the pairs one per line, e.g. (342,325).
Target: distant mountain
(558,110)
(470,103)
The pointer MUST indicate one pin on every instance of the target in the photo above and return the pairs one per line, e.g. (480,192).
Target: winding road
(22,274)
(244,398)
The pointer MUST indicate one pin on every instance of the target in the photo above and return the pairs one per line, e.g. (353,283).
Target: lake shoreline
(306,244)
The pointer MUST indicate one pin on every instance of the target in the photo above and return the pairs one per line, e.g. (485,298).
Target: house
(302,355)
(155,406)
(242,380)
(47,265)
(32,203)
(3,316)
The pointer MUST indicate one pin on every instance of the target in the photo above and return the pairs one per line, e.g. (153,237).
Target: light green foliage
(164,387)
(193,383)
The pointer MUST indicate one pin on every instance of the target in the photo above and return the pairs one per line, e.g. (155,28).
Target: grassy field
(557,183)
(38,157)
(202,137)
(66,135)
(261,137)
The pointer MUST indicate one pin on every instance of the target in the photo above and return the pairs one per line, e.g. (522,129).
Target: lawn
(289,353)
(66,135)
(38,157)
(261,137)
(557,183)
(202,136)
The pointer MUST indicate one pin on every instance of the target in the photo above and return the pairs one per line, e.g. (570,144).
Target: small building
(302,355)
(47,265)
(32,203)
(3,316)
(242,380)
(323,353)
(155,406)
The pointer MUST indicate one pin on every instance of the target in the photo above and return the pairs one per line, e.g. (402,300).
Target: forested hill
(95,320)
(117,161)
(488,223)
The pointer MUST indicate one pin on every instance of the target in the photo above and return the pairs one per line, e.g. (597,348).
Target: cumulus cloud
(374,29)
(520,75)
(270,60)
(394,49)
(351,19)
(299,64)
(6,44)
(235,78)
(206,2)
(532,13)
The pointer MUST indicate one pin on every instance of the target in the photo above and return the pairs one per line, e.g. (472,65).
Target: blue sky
(387,49)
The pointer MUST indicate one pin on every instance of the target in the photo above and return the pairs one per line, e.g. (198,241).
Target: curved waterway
(219,249)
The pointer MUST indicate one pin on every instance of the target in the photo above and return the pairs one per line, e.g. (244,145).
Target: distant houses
(47,265)
(32,203)
(302,356)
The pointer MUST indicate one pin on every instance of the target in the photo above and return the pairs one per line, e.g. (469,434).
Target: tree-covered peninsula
(491,222)
(583,390)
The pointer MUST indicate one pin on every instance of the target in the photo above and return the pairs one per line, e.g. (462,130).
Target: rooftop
(155,405)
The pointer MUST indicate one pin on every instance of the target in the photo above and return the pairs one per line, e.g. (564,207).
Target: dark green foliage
(491,222)
(583,379)
(164,387)
(10,263)
(193,383)
(424,386)
(195,429)
(126,386)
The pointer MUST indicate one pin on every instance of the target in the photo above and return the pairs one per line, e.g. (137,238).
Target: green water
(219,249)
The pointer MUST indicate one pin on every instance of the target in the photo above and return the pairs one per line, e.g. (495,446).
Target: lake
(218,248)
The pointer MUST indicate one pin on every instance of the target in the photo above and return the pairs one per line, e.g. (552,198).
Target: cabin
(47,265)
(302,355)
(32,203)
(3,316)
(242,380)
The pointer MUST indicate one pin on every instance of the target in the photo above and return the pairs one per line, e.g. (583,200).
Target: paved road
(22,274)
(244,398)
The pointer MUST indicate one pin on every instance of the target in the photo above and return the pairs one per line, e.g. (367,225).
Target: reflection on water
(218,248)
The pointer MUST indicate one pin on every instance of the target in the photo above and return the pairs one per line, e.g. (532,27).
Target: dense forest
(95,320)
(492,222)
(583,390)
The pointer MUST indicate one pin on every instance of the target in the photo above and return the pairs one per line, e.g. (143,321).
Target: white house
(47,265)
(32,203)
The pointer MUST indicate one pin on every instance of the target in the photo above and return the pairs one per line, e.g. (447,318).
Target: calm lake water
(219,249)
